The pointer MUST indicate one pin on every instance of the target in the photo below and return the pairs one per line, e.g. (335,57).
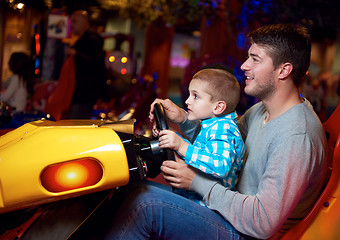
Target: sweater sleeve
(287,175)
(190,129)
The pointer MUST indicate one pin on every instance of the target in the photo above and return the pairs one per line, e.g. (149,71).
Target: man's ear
(220,107)
(286,69)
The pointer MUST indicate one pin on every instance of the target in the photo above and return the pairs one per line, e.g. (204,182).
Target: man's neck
(281,101)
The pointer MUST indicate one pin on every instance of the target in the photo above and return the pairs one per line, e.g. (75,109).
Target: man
(284,167)
(89,67)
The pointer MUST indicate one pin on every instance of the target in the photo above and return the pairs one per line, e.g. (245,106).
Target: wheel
(162,123)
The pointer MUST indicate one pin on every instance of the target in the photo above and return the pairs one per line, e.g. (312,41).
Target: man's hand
(178,174)
(174,113)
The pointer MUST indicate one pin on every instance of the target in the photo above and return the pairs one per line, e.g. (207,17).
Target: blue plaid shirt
(218,149)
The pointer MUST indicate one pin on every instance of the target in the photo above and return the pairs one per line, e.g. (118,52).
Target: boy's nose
(187,101)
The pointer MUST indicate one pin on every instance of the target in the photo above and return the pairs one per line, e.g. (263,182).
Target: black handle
(162,123)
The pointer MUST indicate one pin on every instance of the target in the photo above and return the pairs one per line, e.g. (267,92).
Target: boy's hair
(223,86)
(285,43)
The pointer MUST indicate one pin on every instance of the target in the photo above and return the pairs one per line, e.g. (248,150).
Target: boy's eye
(195,96)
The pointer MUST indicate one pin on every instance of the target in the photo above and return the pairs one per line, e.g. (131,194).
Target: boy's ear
(220,107)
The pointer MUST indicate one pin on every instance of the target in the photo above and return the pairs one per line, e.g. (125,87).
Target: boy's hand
(169,139)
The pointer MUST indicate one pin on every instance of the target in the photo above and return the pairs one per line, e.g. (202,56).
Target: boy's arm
(223,151)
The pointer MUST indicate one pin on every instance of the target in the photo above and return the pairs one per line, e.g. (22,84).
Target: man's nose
(244,65)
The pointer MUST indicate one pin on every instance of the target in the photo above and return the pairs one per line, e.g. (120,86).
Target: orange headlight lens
(71,175)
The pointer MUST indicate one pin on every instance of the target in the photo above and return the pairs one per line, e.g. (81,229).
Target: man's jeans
(153,211)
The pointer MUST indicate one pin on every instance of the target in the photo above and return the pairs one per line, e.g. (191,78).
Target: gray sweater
(283,174)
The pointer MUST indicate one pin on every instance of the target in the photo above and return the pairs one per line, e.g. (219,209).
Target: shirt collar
(210,121)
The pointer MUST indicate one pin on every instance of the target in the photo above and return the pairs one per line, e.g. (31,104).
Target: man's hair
(223,86)
(285,43)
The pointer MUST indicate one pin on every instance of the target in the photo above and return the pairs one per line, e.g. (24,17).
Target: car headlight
(70,175)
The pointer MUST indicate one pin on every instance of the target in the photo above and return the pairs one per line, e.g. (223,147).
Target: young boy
(218,148)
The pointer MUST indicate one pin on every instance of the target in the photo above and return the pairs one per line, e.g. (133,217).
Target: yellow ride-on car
(46,161)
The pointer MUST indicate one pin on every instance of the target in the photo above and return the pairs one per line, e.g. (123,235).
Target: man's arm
(174,113)
(281,187)
(190,129)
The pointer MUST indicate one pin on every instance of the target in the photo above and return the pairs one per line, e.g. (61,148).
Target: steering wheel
(162,123)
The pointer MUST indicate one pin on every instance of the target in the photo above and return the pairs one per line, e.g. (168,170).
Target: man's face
(78,24)
(260,73)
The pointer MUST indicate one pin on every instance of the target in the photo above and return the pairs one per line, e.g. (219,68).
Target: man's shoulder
(302,113)
(301,119)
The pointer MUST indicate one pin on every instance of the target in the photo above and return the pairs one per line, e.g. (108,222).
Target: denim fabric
(152,212)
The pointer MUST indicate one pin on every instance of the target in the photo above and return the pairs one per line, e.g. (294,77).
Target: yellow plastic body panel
(26,151)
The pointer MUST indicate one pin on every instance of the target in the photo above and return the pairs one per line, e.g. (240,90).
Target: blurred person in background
(90,68)
(19,85)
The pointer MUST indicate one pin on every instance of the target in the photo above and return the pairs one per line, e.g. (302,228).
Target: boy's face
(200,105)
